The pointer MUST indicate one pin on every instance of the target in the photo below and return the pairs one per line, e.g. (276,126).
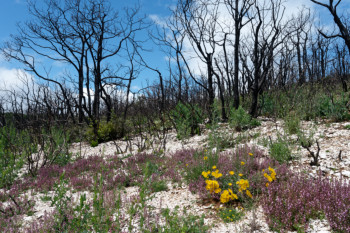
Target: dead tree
(84,35)
(306,145)
(267,33)
(341,22)
(238,10)
(199,20)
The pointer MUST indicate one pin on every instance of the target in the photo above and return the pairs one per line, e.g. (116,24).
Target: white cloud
(292,8)
(12,78)
(158,20)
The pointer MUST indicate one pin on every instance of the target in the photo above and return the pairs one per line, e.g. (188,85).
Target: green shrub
(267,104)
(187,119)
(184,222)
(241,120)
(57,141)
(150,169)
(107,131)
(158,186)
(279,150)
(230,214)
(292,123)
(335,110)
(11,159)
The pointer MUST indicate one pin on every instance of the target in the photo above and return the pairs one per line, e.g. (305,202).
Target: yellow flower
(231,173)
(205,158)
(225,197)
(249,194)
(233,196)
(218,190)
(240,174)
(242,184)
(212,186)
(186,165)
(267,184)
(216,174)
(230,184)
(251,154)
(273,173)
(214,167)
(242,163)
(268,177)
(205,174)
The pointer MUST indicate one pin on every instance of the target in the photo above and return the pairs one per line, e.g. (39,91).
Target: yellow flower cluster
(213,186)
(227,195)
(270,177)
(205,174)
(242,184)
(248,193)
(216,174)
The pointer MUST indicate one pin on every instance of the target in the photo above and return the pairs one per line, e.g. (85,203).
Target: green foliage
(187,119)
(194,171)
(10,154)
(220,140)
(158,186)
(93,143)
(19,145)
(306,139)
(83,217)
(279,150)
(61,201)
(268,104)
(292,123)
(230,214)
(241,120)
(153,182)
(107,130)
(333,109)
(57,146)
(306,102)
(150,168)
(181,223)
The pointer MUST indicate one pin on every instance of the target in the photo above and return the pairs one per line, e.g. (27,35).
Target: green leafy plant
(61,202)
(280,151)
(334,109)
(292,123)
(186,119)
(182,223)
(158,186)
(106,131)
(11,158)
(241,120)
(230,214)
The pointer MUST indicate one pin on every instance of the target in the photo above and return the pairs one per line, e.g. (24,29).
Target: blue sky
(14,11)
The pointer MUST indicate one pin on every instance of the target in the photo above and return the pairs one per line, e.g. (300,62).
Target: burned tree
(87,36)
(341,21)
